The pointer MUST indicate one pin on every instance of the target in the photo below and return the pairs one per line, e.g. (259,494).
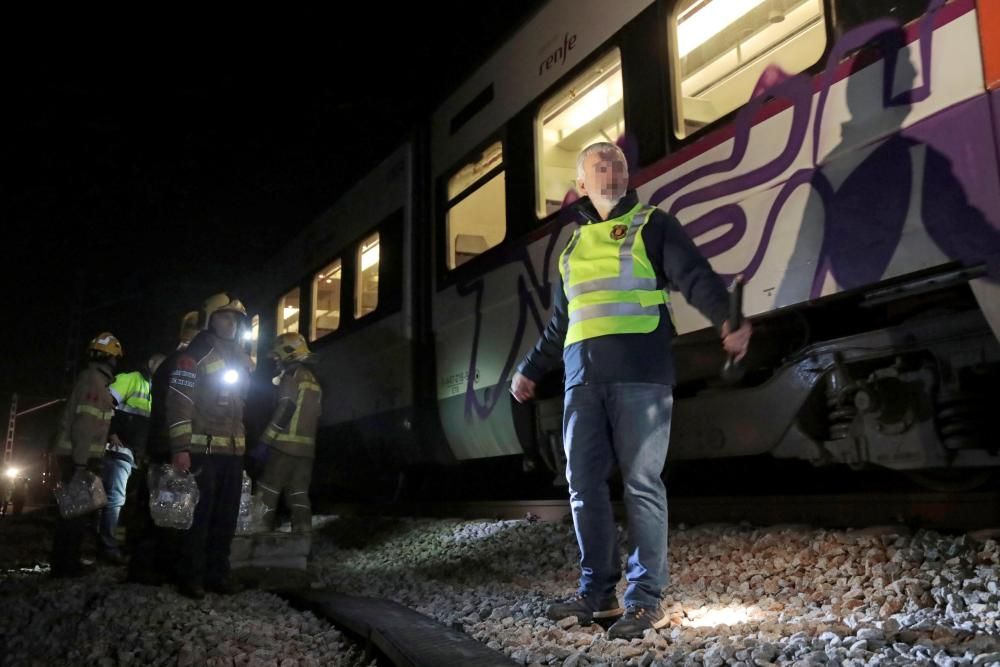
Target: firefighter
(125,451)
(289,441)
(80,442)
(206,390)
(151,548)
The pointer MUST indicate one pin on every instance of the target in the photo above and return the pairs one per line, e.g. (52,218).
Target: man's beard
(603,202)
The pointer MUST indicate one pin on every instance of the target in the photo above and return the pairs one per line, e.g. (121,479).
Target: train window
(250,337)
(720,48)
(847,14)
(366,299)
(587,110)
(288,312)
(477,207)
(326,300)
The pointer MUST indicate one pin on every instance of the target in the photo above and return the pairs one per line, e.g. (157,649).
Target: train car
(840,156)
(347,284)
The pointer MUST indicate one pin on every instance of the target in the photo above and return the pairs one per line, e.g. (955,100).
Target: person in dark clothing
(126,451)
(152,549)
(611,327)
(206,391)
(79,446)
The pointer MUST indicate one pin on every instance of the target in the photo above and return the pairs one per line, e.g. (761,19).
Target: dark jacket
(632,357)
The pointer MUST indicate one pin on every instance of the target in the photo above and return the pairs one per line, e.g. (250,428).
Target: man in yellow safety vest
(611,326)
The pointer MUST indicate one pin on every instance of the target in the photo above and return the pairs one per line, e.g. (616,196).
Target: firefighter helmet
(290,347)
(106,343)
(222,303)
(189,327)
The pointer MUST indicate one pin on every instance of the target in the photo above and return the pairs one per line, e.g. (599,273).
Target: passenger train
(841,156)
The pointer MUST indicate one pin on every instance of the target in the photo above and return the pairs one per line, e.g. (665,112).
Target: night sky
(150,155)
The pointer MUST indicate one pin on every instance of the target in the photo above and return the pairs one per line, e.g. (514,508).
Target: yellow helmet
(222,303)
(106,343)
(290,347)
(189,327)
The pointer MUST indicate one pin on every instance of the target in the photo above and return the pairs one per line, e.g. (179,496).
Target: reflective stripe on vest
(291,435)
(103,415)
(609,281)
(132,391)
(217,444)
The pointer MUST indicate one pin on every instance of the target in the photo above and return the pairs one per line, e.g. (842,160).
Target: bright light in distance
(230,376)
(12,472)
(248,335)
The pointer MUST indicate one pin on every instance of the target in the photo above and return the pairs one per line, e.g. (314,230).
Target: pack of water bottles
(84,494)
(173,495)
(244,523)
(252,510)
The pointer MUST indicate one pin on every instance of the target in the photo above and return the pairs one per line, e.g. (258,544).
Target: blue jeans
(627,423)
(115,477)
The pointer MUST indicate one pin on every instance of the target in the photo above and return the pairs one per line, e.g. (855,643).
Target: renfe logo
(559,55)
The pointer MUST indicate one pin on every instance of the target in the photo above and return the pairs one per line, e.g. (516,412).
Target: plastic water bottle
(84,494)
(173,495)
(245,523)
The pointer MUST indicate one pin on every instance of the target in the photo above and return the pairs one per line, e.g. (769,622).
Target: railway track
(932,510)
(399,636)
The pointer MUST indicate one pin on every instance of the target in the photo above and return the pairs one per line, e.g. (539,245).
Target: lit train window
(326,300)
(366,298)
(250,337)
(587,110)
(477,207)
(720,48)
(288,312)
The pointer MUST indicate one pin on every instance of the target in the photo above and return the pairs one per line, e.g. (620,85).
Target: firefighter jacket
(206,391)
(292,429)
(83,429)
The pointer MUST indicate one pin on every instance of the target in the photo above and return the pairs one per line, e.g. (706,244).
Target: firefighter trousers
(291,476)
(204,548)
(67,541)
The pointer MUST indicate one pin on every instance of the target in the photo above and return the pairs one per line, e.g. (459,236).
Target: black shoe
(636,621)
(193,591)
(585,609)
(227,586)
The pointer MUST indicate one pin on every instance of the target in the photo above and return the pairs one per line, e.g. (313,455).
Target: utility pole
(8,447)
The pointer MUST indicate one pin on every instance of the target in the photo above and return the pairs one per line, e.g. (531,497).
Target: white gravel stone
(789,595)
(739,595)
(97,620)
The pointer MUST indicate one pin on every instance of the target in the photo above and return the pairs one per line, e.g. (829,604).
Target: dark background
(151,155)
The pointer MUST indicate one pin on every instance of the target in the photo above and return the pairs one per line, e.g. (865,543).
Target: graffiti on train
(847,238)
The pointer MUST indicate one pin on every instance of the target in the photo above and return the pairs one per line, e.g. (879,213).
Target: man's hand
(182,461)
(737,342)
(115,440)
(522,388)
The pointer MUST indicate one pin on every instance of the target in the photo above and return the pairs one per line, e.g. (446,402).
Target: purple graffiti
(857,226)
(797,89)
